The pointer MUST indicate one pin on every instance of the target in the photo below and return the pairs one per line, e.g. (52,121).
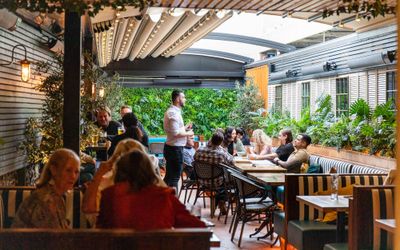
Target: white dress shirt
(173,125)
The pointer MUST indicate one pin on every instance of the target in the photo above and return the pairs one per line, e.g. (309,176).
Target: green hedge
(206,108)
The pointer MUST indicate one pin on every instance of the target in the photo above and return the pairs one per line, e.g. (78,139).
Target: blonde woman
(104,176)
(45,207)
(262,144)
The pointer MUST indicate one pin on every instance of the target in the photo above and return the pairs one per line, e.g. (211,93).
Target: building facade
(356,66)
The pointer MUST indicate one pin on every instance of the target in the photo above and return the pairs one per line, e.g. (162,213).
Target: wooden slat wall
(18,100)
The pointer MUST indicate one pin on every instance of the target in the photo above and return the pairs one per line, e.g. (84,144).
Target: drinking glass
(121,130)
(335,186)
(95,139)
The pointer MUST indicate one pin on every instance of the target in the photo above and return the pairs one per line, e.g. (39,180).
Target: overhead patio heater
(375,59)
(318,68)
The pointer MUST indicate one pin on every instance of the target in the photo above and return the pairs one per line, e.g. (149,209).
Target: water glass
(335,186)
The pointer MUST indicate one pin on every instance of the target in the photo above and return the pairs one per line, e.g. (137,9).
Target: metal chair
(187,183)
(210,179)
(248,210)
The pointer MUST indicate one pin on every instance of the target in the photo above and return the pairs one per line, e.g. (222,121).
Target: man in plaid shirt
(214,154)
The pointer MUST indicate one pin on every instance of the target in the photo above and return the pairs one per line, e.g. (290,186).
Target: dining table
(245,166)
(325,204)
(388,225)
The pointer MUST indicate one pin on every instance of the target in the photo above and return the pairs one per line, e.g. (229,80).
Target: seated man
(299,155)
(103,121)
(188,157)
(106,124)
(214,154)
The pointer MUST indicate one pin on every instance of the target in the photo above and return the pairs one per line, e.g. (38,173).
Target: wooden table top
(272,179)
(325,203)
(386,224)
(248,166)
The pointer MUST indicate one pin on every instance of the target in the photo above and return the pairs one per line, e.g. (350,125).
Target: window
(305,95)
(342,96)
(391,86)
(278,98)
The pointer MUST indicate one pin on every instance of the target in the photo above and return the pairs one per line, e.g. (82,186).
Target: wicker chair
(210,179)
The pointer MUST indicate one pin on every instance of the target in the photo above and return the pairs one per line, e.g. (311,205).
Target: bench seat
(309,234)
(105,239)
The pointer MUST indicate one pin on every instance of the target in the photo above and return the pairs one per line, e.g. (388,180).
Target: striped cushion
(364,180)
(382,208)
(341,166)
(12,199)
(314,160)
(359,169)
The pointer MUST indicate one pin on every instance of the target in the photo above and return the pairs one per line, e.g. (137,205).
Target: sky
(275,28)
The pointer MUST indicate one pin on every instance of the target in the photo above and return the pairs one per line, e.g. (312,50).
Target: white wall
(368,85)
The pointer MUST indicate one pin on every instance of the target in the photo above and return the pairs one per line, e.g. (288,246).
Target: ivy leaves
(79,6)
(367,9)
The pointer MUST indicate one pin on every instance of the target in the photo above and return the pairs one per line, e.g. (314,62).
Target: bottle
(334,183)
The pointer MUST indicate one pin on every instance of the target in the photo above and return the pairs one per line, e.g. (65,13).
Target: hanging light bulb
(25,70)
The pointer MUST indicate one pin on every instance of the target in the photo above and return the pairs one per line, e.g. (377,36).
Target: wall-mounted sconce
(101,92)
(25,64)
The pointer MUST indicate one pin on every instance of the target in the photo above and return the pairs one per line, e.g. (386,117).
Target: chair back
(246,187)
(156,148)
(368,204)
(208,174)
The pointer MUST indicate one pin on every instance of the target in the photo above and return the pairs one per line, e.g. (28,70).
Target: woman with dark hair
(282,152)
(231,143)
(229,138)
(136,200)
(132,130)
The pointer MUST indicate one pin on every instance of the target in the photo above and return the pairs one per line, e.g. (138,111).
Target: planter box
(353,156)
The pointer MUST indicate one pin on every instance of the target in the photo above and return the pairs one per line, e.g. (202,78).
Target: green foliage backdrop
(206,108)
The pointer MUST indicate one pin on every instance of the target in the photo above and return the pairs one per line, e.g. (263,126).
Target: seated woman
(262,144)
(283,151)
(45,207)
(231,143)
(104,176)
(137,201)
(132,131)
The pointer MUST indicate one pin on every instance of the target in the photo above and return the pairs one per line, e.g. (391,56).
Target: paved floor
(221,230)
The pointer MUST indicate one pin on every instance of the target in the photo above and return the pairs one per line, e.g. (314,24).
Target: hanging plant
(79,6)
(365,9)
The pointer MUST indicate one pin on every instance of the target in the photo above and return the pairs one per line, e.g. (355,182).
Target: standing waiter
(177,134)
